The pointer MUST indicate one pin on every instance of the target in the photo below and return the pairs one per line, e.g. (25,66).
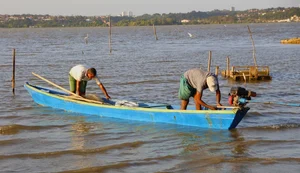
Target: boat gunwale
(32,87)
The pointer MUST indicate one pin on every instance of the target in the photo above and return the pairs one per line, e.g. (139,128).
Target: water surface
(40,139)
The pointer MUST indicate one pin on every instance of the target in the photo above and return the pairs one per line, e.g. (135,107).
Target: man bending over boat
(192,84)
(79,75)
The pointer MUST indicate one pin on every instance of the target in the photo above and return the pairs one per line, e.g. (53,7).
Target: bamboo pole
(109,41)
(154,30)
(77,97)
(14,72)
(254,51)
(209,61)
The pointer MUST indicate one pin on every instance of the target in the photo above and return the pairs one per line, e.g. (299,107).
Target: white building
(124,13)
(232,9)
(185,21)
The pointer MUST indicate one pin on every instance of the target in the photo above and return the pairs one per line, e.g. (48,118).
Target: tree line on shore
(194,18)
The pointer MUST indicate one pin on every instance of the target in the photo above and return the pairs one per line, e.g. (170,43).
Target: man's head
(91,73)
(212,83)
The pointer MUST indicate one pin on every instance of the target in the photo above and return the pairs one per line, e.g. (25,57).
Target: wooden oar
(67,91)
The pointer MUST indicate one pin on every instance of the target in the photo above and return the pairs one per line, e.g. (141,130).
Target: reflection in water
(199,140)
(239,150)
(240,147)
(79,130)
(208,150)
(9,129)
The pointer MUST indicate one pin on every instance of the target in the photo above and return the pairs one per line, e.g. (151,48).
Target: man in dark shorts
(192,84)
(78,77)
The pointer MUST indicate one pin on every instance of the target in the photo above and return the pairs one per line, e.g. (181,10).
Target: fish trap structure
(247,73)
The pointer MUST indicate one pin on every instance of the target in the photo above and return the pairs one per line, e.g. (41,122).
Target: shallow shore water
(40,139)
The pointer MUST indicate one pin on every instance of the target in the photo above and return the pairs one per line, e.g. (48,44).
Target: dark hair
(92,71)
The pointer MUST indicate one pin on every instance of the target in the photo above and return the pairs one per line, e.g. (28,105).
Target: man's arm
(101,86)
(198,100)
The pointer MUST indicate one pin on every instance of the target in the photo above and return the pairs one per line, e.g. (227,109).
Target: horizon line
(150,13)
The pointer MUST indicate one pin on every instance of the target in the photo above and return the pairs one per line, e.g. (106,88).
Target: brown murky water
(40,139)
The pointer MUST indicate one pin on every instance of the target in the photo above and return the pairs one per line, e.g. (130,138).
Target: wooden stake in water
(154,30)
(14,71)
(209,61)
(245,77)
(254,56)
(109,41)
(228,64)
(217,71)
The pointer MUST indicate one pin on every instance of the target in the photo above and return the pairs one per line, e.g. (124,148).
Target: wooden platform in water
(291,41)
(247,73)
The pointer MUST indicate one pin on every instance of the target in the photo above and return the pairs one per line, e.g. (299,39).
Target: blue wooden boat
(155,113)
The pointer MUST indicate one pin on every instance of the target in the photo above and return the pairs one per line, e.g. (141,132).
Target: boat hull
(218,119)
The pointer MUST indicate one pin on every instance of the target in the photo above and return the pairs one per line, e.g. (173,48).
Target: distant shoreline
(146,26)
(271,15)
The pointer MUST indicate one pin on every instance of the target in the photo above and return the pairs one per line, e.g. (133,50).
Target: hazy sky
(138,7)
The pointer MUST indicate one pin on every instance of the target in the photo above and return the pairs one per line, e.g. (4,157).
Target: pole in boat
(14,72)
(67,91)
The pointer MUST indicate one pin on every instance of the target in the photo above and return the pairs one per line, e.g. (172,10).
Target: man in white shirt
(78,77)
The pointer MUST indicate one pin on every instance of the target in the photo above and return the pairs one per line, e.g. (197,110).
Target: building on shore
(185,21)
(127,14)
(130,14)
